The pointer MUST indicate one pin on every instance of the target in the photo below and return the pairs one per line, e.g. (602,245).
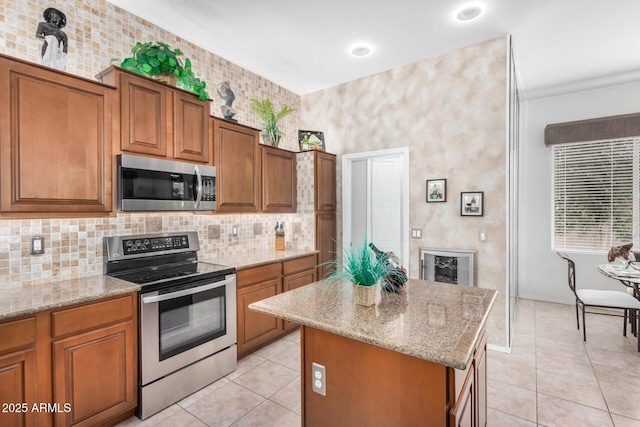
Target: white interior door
(376,200)
(386,206)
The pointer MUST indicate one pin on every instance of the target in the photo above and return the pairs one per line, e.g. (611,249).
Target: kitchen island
(412,359)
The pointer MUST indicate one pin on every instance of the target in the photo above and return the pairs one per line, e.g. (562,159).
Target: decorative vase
(365,295)
(268,139)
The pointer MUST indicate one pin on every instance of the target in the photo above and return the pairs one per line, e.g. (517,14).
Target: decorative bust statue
(52,55)
(225,92)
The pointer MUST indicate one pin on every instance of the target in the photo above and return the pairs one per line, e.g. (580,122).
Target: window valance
(612,127)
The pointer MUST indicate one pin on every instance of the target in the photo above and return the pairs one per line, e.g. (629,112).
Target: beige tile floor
(551,378)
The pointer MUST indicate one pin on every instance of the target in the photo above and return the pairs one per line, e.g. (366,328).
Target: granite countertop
(257,258)
(32,299)
(436,322)
(47,296)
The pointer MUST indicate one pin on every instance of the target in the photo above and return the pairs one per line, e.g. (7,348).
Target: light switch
(416,233)
(483,236)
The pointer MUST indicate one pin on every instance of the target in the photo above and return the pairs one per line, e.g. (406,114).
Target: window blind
(595,202)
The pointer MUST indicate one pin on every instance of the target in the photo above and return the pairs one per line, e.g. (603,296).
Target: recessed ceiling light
(468,12)
(360,50)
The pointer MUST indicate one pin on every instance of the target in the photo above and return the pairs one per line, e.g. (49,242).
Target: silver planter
(269,139)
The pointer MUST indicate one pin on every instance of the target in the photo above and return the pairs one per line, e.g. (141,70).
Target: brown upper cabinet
(55,142)
(279,188)
(160,120)
(325,182)
(238,167)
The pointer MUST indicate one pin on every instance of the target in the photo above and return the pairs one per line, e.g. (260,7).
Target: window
(595,195)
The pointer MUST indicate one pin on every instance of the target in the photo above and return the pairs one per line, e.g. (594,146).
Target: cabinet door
(480,362)
(191,128)
(55,141)
(256,328)
(295,281)
(462,414)
(96,373)
(238,171)
(325,241)
(325,182)
(144,111)
(18,388)
(279,182)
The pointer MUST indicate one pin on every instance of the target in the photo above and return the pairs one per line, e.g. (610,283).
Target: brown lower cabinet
(77,365)
(470,407)
(18,372)
(326,241)
(410,391)
(257,283)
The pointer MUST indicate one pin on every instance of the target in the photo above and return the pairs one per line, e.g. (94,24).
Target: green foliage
(158,59)
(265,112)
(360,266)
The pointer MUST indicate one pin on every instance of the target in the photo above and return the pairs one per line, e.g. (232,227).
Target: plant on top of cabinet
(159,61)
(270,133)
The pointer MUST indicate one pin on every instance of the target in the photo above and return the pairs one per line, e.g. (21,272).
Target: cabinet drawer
(92,315)
(258,274)
(299,264)
(16,334)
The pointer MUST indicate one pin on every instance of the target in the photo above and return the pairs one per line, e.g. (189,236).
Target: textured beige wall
(450,111)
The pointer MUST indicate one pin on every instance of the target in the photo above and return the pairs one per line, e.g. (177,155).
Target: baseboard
(499,348)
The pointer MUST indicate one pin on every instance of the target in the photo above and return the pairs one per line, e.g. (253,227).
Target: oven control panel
(139,245)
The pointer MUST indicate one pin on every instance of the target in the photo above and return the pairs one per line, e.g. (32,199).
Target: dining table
(627,274)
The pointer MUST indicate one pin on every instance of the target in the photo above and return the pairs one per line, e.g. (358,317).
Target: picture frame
(310,140)
(472,203)
(436,190)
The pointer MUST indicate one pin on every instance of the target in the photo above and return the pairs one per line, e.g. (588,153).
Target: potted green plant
(270,133)
(161,62)
(365,270)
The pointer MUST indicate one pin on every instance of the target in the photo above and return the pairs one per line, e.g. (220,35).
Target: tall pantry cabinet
(320,197)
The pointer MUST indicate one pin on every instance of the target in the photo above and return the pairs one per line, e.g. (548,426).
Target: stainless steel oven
(147,184)
(187,324)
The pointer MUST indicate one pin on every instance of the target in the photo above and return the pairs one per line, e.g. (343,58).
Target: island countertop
(436,322)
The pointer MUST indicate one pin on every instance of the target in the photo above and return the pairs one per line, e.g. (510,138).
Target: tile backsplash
(74,247)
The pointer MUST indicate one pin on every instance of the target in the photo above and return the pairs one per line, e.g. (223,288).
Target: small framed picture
(311,140)
(472,203)
(436,190)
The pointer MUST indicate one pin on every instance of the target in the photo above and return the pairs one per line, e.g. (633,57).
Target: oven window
(188,321)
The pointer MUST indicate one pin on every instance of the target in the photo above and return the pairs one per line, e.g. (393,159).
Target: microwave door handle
(198,188)
(191,291)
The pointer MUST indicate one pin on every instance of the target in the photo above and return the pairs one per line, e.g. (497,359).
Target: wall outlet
(319,378)
(297,228)
(257,228)
(213,231)
(37,245)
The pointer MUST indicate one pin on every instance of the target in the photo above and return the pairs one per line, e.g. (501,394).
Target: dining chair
(601,299)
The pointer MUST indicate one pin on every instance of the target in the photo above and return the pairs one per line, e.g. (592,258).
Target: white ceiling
(302,45)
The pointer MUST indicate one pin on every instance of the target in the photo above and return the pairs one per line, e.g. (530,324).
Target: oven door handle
(190,291)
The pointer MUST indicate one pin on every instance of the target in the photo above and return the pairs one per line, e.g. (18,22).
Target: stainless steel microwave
(147,184)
